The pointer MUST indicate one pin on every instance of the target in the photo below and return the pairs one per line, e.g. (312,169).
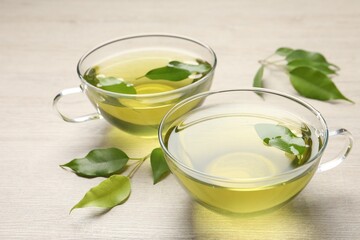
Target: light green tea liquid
(141,115)
(228,147)
(131,67)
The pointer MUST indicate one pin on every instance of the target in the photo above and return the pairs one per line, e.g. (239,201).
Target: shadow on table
(293,221)
(134,146)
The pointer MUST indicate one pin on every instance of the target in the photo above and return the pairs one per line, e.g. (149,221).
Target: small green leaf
(99,163)
(320,66)
(168,73)
(159,167)
(111,84)
(108,81)
(304,157)
(114,84)
(281,137)
(283,51)
(258,77)
(113,101)
(306,55)
(202,67)
(177,71)
(90,76)
(109,193)
(120,88)
(314,84)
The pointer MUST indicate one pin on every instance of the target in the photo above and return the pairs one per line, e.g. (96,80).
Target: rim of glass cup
(244,180)
(192,85)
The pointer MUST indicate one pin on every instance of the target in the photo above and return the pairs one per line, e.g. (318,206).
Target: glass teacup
(138,114)
(246,151)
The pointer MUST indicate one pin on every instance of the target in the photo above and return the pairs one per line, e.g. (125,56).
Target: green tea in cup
(242,154)
(134,81)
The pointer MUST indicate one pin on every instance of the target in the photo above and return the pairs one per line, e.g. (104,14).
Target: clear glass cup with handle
(138,114)
(218,154)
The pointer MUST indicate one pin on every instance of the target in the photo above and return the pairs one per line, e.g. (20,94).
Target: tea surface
(228,146)
(130,70)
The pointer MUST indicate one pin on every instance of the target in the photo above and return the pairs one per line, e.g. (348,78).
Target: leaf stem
(136,159)
(134,170)
(270,56)
(138,165)
(139,77)
(279,60)
(266,63)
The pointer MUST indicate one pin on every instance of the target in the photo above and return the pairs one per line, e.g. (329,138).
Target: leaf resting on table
(109,193)
(99,163)
(159,167)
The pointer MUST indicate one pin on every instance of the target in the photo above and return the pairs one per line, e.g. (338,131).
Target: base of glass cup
(245,214)
(214,196)
(145,131)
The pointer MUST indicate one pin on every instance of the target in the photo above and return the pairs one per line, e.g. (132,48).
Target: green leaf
(99,163)
(281,137)
(177,71)
(314,84)
(202,67)
(116,85)
(320,66)
(108,81)
(306,55)
(258,77)
(168,73)
(303,158)
(90,76)
(159,167)
(283,51)
(109,193)
(120,88)
(111,84)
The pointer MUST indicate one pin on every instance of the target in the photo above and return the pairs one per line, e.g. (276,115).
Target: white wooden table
(40,44)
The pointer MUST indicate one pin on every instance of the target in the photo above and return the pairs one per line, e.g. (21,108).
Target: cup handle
(343,153)
(80,119)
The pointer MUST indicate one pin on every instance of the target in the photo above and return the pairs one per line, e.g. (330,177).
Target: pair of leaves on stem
(310,74)
(281,137)
(177,71)
(110,162)
(284,139)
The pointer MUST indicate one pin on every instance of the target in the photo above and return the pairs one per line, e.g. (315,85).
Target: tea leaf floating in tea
(168,73)
(281,137)
(159,167)
(177,71)
(99,163)
(109,193)
(90,76)
(202,67)
(111,84)
(110,162)
(310,73)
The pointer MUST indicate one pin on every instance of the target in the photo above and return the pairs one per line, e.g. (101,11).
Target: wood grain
(41,42)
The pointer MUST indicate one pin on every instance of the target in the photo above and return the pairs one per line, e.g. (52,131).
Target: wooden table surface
(40,44)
